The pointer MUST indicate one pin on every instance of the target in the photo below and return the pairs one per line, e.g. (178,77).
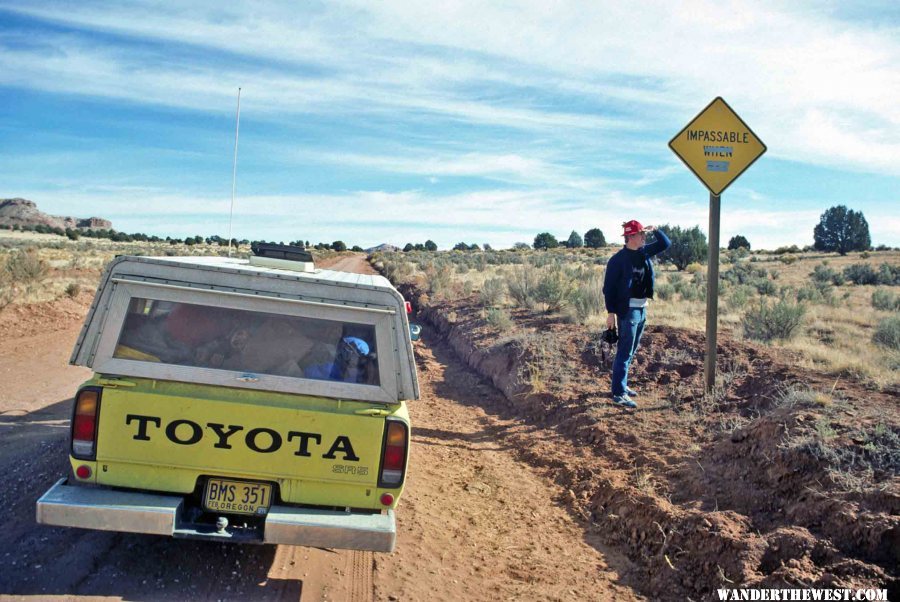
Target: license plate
(237,497)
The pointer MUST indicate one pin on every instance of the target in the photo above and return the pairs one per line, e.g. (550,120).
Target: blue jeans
(631,327)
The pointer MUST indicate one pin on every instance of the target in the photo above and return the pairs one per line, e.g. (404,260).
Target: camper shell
(266,378)
(219,282)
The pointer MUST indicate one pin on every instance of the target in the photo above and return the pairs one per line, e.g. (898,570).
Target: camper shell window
(190,334)
(174,331)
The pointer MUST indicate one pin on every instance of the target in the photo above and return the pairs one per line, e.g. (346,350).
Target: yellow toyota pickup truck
(258,400)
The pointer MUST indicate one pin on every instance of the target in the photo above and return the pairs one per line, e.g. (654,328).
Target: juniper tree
(842,230)
(594,238)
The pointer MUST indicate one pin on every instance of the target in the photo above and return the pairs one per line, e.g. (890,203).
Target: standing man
(627,288)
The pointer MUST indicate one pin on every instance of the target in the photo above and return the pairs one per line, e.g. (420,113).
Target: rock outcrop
(383,248)
(22,212)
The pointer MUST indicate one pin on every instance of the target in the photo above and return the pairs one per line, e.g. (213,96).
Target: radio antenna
(237,130)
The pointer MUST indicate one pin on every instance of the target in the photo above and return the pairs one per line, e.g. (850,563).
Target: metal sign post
(712,293)
(718,147)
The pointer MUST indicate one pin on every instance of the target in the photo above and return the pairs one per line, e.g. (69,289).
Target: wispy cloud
(68,63)
(534,115)
(818,89)
(512,168)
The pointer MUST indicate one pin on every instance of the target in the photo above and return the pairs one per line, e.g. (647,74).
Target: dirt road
(474,523)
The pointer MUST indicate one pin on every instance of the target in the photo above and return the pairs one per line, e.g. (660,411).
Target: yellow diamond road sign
(717,146)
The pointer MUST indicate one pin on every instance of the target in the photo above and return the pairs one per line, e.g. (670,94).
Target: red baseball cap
(632,227)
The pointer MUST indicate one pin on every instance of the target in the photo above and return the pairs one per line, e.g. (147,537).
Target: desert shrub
(553,288)
(764,286)
(740,296)
(690,290)
(889,274)
(492,292)
(823,273)
(664,292)
(788,259)
(587,298)
(521,284)
(7,292)
(887,333)
(773,321)
(785,250)
(743,273)
(796,395)
(695,290)
(397,271)
(437,278)
(73,289)
(882,448)
(885,300)
(541,260)
(499,319)
(818,292)
(693,268)
(25,267)
(738,254)
(543,368)
(861,273)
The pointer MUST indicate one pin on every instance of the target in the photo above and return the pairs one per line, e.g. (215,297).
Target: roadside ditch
(783,478)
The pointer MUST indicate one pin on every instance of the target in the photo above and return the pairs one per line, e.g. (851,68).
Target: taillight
(393,458)
(408,307)
(84,423)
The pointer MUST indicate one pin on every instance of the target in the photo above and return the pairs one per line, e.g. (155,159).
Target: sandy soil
(475,522)
(750,487)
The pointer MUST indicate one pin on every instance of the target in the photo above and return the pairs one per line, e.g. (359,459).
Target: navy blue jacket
(617,282)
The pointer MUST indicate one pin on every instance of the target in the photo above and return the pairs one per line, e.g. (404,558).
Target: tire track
(362,574)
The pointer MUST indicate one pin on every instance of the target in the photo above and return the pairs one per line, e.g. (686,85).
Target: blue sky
(482,122)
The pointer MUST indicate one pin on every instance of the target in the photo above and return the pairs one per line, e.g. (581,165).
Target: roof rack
(291,253)
(284,257)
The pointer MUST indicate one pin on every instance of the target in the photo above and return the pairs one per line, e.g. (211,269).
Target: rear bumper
(66,505)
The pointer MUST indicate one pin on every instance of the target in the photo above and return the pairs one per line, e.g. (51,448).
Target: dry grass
(835,337)
(75,266)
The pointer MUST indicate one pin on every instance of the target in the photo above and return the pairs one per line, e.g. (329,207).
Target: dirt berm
(783,478)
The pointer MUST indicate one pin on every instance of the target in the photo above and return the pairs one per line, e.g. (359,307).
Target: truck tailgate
(164,441)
